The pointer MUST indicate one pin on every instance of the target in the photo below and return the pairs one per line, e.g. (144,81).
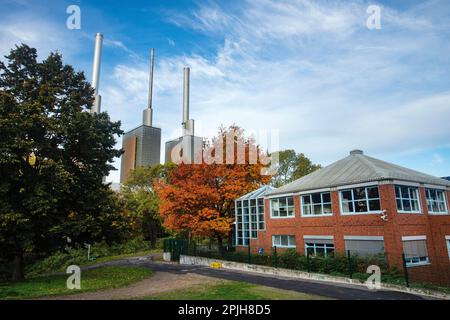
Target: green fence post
(405,270)
(275,257)
(308,265)
(350,269)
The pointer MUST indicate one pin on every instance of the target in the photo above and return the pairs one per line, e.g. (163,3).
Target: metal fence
(345,264)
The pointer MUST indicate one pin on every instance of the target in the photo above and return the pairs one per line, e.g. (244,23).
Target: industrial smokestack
(148,113)
(96,72)
(188,124)
(186,96)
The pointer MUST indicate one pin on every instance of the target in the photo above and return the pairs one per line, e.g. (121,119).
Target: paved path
(330,290)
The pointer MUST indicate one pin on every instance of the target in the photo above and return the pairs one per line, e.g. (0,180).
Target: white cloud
(312,70)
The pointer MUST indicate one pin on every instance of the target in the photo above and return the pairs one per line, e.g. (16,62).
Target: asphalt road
(330,290)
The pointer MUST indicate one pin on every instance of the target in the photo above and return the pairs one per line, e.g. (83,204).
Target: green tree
(53,157)
(287,160)
(141,201)
(303,166)
(292,166)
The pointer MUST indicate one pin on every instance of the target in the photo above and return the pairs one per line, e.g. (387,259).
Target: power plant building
(142,145)
(187,148)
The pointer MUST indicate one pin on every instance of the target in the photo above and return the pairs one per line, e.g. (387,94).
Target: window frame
(420,262)
(447,241)
(419,202)
(444,193)
(314,246)
(353,201)
(287,207)
(302,213)
(288,237)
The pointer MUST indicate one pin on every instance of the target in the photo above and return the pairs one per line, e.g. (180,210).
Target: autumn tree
(142,203)
(53,157)
(198,199)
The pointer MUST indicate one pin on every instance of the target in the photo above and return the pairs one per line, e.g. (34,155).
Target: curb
(296,274)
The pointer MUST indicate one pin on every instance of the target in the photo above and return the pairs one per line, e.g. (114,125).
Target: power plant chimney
(188,124)
(96,72)
(148,113)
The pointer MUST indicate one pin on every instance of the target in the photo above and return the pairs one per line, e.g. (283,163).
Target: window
(363,246)
(261,210)
(447,240)
(415,250)
(253,219)
(283,241)
(319,247)
(282,207)
(249,219)
(436,201)
(407,199)
(360,200)
(316,204)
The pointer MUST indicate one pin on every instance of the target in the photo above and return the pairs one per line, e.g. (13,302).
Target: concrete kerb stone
(265,270)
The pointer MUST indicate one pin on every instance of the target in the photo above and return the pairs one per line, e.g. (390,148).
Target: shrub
(60,260)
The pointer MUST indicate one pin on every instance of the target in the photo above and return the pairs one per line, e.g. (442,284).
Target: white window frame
(447,241)
(282,246)
(302,213)
(420,211)
(353,201)
(444,193)
(287,206)
(306,238)
(416,238)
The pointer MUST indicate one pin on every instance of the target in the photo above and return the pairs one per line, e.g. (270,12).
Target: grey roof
(357,168)
(258,193)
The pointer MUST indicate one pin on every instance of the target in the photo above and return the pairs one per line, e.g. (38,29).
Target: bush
(62,259)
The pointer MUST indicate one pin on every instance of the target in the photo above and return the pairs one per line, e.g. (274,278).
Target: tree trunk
(18,267)
(219,241)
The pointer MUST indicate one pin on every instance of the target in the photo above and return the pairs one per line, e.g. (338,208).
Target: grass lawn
(233,290)
(91,280)
(120,257)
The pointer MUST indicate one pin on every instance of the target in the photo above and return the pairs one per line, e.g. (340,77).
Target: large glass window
(319,247)
(285,241)
(261,219)
(360,200)
(436,201)
(415,252)
(407,199)
(249,219)
(316,204)
(282,207)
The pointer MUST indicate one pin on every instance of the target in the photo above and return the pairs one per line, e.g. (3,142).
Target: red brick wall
(434,227)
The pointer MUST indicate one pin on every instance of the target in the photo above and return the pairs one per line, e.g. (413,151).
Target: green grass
(232,290)
(119,257)
(91,280)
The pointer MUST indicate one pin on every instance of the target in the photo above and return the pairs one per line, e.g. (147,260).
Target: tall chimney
(148,113)
(186,96)
(96,72)
(188,124)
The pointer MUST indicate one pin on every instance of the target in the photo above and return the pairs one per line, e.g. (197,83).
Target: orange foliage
(199,198)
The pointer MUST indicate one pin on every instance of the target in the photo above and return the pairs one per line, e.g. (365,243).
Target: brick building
(360,204)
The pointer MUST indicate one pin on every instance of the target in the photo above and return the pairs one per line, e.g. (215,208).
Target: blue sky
(310,69)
